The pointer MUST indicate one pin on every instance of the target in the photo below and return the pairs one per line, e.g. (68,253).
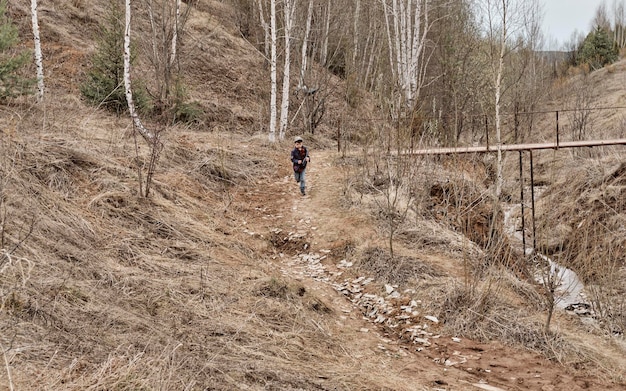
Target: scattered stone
(343,264)
(422,341)
(487,387)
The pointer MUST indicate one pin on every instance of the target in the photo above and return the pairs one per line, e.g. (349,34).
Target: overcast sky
(562,17)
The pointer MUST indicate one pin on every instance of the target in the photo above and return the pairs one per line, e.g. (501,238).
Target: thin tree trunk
(288,8)
(266,30)
(498,95)
(272,130)
(145,133)
(324,50)
(355,44)
(159,63)
(175,35)
(305,45)
(394,73)
(38,57)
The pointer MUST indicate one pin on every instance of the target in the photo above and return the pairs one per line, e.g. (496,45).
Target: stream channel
(570,292)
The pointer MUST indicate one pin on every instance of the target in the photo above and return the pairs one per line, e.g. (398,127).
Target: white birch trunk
(38,57)
(398,44)
(145,133)
(175,35)
(266,30)
(324,49)
(498,95)
(305,45)
(407,29)
(394,73)
(371,49)
(355,44)
(288,8)
(272,130)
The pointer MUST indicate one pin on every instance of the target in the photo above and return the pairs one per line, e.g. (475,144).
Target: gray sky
(562,17)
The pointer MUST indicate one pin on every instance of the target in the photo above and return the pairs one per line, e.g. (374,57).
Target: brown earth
(225,278)
(461,364)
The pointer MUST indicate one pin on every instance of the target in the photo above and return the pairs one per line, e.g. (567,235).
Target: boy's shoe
(302,192)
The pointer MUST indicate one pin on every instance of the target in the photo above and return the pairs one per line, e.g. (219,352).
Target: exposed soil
(318,224)
(226,278)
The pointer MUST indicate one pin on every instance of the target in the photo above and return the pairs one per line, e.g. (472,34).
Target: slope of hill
(226,278)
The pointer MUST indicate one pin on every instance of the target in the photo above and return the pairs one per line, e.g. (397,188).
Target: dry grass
(101,289)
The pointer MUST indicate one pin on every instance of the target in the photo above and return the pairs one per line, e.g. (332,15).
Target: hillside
(225,278)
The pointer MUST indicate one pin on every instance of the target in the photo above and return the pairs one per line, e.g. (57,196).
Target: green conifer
(104,85)
(12,82)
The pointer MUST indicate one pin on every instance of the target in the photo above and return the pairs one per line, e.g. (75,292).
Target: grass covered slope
(225,278)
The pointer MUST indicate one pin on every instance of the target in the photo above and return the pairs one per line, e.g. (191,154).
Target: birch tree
(498,70)
(288,14)
(145,133)
(325,36)
(506,20)
(150,137)
(407,26)
(273,71)
(173,51)
(266,30)
(38,58)
(305,47)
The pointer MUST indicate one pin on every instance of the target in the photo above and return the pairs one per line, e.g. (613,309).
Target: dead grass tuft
(482,315)
(397,269)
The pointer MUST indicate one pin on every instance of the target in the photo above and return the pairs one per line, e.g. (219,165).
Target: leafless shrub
(480,314)
(581,227)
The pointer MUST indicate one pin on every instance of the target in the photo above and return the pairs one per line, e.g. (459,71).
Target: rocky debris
(580,309)
(394,311)
(308,265)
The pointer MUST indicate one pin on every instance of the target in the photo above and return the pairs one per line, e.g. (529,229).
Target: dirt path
(318,231)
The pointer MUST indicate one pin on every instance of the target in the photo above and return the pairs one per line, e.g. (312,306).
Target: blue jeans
(300,178)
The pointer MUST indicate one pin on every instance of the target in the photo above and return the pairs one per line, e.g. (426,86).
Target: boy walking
(300,158)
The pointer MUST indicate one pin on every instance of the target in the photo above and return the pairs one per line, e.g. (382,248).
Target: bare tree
(273,71)
(325,36)
(581,101)
(266,30)
(288,16)
(145,133)
(167,20)
(506,25)
(619,24)
(174,52)
(38,57)
(601,18)
(305,41)
(150,137)
(407,26)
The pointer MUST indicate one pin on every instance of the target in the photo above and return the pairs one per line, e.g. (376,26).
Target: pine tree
(597,50)
(12,83)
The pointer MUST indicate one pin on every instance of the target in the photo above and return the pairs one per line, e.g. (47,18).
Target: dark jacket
(297,154)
